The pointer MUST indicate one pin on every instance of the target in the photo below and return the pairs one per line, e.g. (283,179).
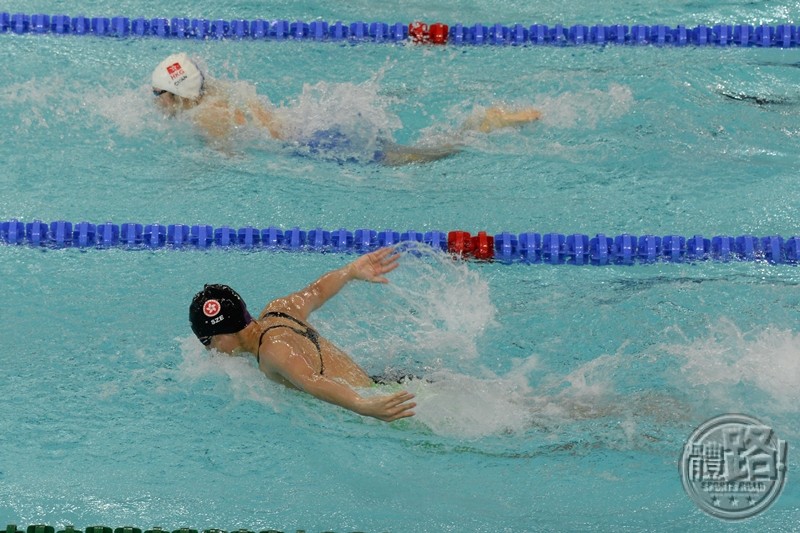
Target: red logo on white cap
(211,308)
(174,70)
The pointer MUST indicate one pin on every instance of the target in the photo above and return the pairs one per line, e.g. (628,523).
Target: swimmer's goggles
(159,92)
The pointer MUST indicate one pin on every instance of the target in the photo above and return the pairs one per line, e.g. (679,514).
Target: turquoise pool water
(559,398)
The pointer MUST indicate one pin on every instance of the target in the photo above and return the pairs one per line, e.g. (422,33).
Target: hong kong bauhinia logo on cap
(211,308)
(733,466)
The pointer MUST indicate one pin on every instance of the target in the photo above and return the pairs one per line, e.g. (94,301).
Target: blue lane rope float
(505,247)
(43,528)
(781,35)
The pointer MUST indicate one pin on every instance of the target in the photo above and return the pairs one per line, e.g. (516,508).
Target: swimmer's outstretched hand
(373,266)
(496,117)
(388,408)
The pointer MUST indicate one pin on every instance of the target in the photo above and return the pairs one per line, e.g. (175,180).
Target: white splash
(130,112)
(586,108)
(767,360)
(356,114)
(431,315)
(459,405)
(245,381)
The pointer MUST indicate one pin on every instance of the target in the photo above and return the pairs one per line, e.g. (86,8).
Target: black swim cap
(215,310)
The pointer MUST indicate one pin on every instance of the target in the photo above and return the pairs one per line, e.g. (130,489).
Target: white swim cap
(179,75)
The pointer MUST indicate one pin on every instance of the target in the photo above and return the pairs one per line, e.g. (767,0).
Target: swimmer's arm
(396,155)
(293,367)
(368,267)
(499,117)
(266,118)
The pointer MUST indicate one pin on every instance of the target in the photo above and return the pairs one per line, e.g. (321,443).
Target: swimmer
(290,351)
(756,99)
(179,85)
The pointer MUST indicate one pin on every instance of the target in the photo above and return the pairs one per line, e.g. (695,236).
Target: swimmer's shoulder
(279,305)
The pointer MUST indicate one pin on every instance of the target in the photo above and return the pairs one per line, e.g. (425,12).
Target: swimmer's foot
(497,117)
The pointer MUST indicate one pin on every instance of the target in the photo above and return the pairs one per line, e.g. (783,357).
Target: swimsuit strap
(279,314)
(309,333)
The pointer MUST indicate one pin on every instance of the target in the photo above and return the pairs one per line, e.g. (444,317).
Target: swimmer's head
(217,310)
(178,75)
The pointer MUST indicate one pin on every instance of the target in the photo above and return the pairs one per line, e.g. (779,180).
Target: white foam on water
(430,323)
(56,101)
(245,380)
(40,101)
(131,112)
(357,113)
(728,361)
(464,406)
(431,315)
(586,109)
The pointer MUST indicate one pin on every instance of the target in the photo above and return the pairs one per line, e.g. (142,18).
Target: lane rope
(505,247)
(780,35)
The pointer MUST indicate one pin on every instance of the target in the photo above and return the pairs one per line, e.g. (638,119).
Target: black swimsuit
(309,333)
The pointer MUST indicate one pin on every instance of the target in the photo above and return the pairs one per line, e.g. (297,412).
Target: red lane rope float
(421,33)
